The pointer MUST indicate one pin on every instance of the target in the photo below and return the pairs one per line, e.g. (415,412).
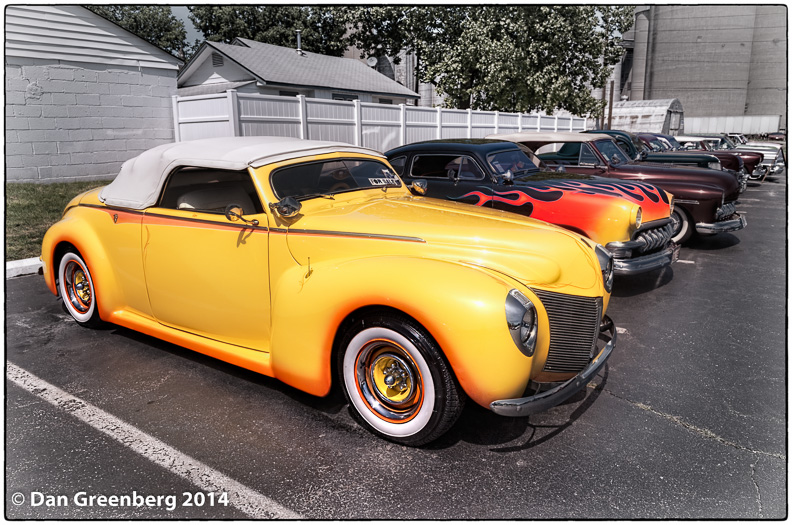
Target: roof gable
(285,66)
(73,33)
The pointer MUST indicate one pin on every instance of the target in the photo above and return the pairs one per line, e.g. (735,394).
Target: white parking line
(247,500)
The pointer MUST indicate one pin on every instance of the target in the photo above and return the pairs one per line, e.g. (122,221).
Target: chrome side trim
(683,201)
(348,234)
(526,406)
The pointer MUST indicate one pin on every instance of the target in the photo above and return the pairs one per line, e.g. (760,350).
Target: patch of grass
(32,208)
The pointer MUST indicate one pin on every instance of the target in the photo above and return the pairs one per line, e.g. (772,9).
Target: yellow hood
(534,252)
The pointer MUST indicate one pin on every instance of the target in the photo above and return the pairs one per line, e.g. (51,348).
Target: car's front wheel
(77,289)
(683,226)
(397,381)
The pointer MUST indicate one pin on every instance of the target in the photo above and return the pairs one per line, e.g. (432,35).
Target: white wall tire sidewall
(684,226)
(79,316)
(395,430)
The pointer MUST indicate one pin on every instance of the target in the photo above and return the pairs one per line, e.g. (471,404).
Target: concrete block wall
(78,121)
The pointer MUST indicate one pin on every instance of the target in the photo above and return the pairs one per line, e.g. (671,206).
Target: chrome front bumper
(525,406)
(730,225)
(644,263)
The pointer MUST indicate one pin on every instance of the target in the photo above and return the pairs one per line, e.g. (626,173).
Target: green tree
(322,32)
(153,23)
(507,58)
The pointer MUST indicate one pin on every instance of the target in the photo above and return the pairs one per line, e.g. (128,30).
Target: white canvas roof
(140,181)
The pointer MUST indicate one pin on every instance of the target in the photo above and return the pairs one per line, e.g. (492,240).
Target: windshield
(728,144)
(317,179)
(612,152)
(514,160)
(674,142)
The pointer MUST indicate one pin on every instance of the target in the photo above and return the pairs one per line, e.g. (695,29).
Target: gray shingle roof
(283,65)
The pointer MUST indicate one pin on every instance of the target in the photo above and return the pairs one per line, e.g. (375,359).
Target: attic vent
(217,60)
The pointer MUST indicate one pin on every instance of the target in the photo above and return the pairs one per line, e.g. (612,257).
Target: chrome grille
(574,327)
(655,238)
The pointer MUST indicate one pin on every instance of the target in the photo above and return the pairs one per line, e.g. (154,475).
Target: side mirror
(287,207)
(508,177)
(233,212)
(419,187)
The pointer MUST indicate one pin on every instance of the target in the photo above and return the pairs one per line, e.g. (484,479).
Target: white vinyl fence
(750,125)
(377,126)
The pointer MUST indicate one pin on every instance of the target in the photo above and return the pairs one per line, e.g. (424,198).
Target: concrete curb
(23,267)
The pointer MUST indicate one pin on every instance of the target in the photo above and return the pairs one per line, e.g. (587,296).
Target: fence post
(303,116)
(519,122)
(555,123)
(497,124)
(176,127)
(233,112)
(470,123)
(358,124)
(538,122)
(439,122)
(403,117)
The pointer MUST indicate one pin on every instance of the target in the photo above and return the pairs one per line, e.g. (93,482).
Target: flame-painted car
(631,219)
(705,201)
(313,263)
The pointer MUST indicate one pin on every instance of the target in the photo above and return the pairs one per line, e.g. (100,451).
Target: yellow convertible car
(313,263)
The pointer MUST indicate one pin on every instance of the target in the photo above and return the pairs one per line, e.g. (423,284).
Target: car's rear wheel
(77,289)
(396,380)
(683,226)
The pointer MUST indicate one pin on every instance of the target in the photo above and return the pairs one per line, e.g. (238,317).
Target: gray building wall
(71,121)
(727,60)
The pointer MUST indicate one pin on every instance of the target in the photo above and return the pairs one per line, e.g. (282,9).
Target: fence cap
(140,181)
(549,137)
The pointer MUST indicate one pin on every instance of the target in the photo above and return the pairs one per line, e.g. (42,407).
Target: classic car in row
(313,263)
(704,200)
(632,220)
(773,160)
(637,149)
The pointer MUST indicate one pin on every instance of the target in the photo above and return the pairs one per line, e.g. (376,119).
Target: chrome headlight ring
(605,259)
(714,165)
(522,321)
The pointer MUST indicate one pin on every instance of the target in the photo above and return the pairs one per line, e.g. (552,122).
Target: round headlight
(638,218)
(606,265)
(522,322)
(671,205)
(714,165)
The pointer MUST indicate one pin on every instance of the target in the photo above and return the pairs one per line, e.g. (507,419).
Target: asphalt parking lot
(687,421)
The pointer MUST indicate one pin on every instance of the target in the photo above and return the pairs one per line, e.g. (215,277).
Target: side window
(210,191)
(587,157)
(398,164)
(445,167)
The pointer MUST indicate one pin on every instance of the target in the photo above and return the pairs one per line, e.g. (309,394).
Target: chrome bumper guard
(737,222)
(646,263)
(525,406)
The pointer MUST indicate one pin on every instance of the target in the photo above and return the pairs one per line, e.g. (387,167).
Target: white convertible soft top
(139,183)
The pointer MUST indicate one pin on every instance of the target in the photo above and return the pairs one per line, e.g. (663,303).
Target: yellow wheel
(77,289)
(397,382)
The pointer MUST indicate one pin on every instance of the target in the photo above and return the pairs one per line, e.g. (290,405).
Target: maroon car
(704,200)
(751,159)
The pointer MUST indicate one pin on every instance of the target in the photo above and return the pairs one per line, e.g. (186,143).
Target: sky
(180,12)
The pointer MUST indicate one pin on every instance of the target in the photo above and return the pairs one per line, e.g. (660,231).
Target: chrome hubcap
(389,381)
(78,288)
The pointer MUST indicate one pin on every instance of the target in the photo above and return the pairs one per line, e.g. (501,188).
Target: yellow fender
(470,328)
